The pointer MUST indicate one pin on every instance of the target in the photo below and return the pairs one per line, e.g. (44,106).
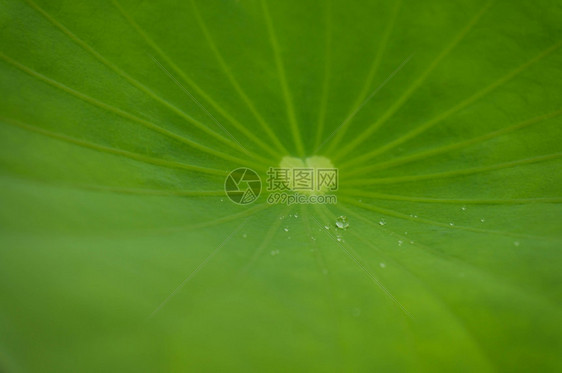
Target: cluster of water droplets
(341,225)
(286,228)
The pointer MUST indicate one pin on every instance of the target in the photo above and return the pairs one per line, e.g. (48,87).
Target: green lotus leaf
(120,121)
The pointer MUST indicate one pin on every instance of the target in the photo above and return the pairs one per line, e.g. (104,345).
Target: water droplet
(400,242)
(382,222)
(326,227)
(295,216)
(222,199)
(342,223)
(451,224)
(412,242)
(338,239)
(244,235)
(482,220)
(382,265)
(274,252)
(286,229)
(406,233)
(463,208)
(313,238)
(516,243)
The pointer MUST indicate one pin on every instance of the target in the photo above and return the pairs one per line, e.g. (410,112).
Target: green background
(119,121)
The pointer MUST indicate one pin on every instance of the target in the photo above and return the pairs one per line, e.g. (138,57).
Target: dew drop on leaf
(341,222)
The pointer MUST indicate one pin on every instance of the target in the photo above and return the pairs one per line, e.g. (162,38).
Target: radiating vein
(224,219)
(353,255)
(363,97)
(399,215)
(352,115)
(197,269)
(318,252)
(270,233)
(126,190)
(293,124)
(360,138)
(437,297)
(326,274)
(133,81)
(153,192)
(327,72)
(114,151)
(437,255)
(234,82)
(200,91)
(463,104)
(126,115)
(219,124)
(454,201)
(447,174)
(455,146)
